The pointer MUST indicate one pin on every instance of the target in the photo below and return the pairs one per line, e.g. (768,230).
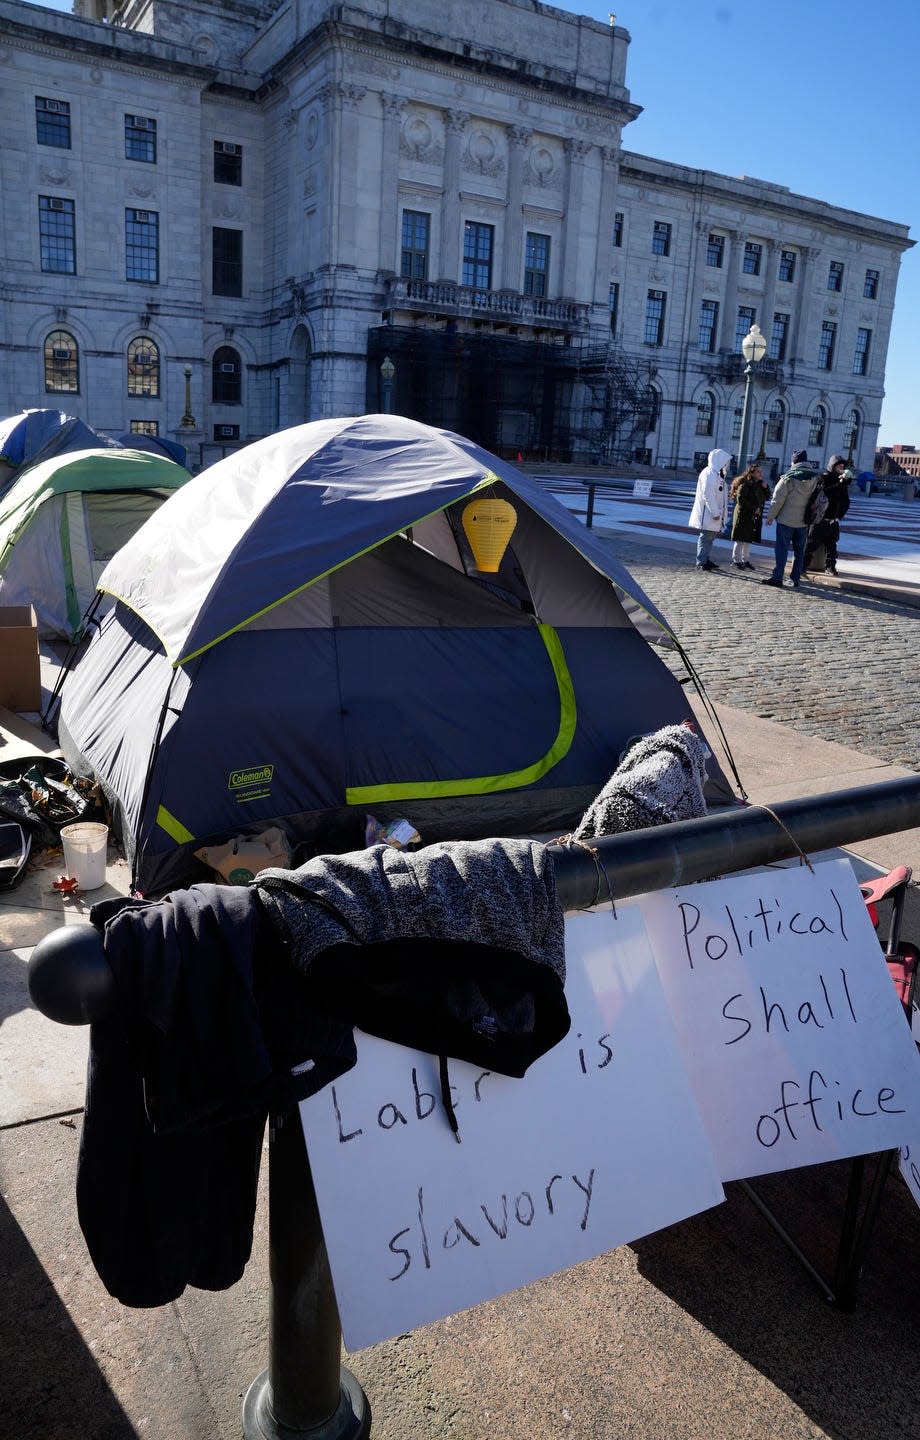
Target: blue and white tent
(300,636)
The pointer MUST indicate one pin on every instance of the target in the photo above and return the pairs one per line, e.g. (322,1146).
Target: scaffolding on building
(532,399)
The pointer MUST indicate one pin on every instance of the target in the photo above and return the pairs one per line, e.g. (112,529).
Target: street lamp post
(753,348)
(188,421)
(387,371)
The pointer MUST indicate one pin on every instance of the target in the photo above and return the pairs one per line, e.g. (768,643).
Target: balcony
(725,365)
(441,298)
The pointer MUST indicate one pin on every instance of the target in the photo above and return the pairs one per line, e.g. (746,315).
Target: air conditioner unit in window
(227,368)
(140,122)
(59,353)
(55,106)
(54,204)
(224,147)
(142,216)
(226,432)
(143,357)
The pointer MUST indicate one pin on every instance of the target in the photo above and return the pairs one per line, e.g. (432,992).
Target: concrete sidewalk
(708,1329)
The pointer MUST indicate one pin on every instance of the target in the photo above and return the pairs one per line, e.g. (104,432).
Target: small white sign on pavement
(599,1143)
(642,489)
(790,1027)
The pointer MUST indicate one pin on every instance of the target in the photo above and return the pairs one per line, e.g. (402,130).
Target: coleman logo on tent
(251,779)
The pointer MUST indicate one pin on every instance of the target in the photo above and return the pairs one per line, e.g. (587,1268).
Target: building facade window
(779,336)
(228,163)
(661,238)
(654,317)
(613,301)
(226,377)
(52,122)
(57,235)
(143,427)
(536,264)
(753,253)
(62,362)
(478,248)
(737,418)
(851,432)
(706,413)
(861,354)
(743,322)
(226,261)
(817,426)
(786,269)
(776,421)
(226,434)
(709,324)
(650,409)
(715,251)
(835,275)
(826,348)
(416,243)
(143,367)
(141,138)
(870,285)
(618,229)
(142,246)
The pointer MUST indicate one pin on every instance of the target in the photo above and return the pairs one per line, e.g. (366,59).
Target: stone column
(736,239)
(393,108)
(610,174)
(769,290)
(455,122)
(576,153)
(518,141)
(340,103)
(807,257)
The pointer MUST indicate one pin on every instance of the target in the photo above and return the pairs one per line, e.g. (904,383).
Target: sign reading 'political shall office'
(793,1034)
(599,1143)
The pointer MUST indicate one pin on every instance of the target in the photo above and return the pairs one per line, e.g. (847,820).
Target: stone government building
(228,215)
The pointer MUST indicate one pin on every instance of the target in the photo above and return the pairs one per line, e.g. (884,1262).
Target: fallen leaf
(67,884)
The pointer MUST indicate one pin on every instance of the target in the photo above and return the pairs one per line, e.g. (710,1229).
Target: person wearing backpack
(821,547)
(787,508)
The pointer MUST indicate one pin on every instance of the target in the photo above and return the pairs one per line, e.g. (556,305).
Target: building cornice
(761,197)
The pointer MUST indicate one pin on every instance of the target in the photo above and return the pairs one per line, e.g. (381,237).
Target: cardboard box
(20,671)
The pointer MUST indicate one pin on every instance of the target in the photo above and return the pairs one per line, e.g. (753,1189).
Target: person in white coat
(710,506)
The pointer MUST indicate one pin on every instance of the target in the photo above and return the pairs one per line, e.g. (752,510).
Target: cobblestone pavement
(839,666)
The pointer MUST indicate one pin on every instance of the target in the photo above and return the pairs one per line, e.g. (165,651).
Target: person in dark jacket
(750,492)
(821,546)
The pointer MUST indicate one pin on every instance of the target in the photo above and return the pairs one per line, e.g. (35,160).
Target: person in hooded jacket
(824,533)
(710,507)
(790,499)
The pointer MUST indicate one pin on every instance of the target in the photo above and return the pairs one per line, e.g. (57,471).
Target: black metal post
(735,839)
(589,518)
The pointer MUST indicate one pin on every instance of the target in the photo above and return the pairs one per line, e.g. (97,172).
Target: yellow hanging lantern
(489,525)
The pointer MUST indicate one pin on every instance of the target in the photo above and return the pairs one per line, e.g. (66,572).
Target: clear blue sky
(818,95)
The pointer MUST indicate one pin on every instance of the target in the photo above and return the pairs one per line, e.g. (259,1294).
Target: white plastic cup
(85,845)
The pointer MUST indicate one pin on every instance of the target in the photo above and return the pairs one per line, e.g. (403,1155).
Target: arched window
(62,362)
(851,431)
(776,420)
(817,425)
(650,408)
(226,377)
(705,413)
(143,367)
(737,418)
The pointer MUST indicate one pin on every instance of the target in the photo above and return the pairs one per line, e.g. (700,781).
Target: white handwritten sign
(790,1026)
(642,489)
(599,1143)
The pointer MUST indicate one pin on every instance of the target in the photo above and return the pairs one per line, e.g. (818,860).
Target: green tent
(64,519)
